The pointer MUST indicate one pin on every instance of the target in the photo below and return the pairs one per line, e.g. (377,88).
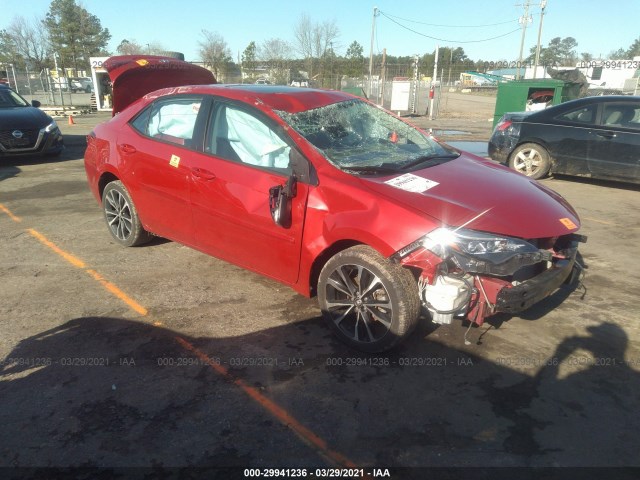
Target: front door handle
(202,174)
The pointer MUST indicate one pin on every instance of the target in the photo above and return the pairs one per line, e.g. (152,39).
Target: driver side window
(241,137)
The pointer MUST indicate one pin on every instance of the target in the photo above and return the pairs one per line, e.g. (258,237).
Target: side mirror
(280,201)
(301,168)
(35,103)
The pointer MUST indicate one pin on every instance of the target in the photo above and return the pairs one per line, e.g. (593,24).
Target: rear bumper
(500,147)
(522,296)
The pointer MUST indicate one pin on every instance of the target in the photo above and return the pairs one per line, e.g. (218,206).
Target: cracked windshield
(358,137)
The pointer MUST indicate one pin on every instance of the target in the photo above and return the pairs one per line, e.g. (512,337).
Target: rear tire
(369,302)
(530,159)
(122,217)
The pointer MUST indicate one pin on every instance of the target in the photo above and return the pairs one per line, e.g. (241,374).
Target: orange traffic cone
(71,122)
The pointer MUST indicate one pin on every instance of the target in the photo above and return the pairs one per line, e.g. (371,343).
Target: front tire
(369,302)
(122,217)
(530,159)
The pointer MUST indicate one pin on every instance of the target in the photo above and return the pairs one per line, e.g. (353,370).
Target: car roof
(277,97)
(577,103)
(135,76)
(599,99)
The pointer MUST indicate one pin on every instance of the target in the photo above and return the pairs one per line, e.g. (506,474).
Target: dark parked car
(329,194)
(25,129)
(591,137)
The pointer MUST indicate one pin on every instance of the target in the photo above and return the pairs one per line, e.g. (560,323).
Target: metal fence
(59,92)
(50,91)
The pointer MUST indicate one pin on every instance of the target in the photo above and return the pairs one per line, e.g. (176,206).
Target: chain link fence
(64,93)
(52,91)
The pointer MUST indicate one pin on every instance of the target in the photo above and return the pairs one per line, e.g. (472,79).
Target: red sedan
(329,194)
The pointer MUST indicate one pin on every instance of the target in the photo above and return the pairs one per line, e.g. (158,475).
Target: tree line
(69,34)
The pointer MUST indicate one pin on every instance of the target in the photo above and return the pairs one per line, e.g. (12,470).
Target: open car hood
(133,76)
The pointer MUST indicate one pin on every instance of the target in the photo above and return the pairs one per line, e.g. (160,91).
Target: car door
(614,150)
(568,139)
(246,154)
(156,151)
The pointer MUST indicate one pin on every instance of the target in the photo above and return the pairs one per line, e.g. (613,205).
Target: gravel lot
(160,356)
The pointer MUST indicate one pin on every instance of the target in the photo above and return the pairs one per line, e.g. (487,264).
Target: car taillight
(503,125)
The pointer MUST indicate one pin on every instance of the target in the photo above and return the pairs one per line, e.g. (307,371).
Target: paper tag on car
(175,161)
(411,183)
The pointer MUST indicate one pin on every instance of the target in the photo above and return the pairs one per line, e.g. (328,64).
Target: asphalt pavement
(160,356)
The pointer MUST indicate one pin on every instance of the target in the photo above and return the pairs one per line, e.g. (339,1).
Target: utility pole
(416,82)
(55,61)
(433,82)
(543,4)
(383,76)
(373,32)
(524,20)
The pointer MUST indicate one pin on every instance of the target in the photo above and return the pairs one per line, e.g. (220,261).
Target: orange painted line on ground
(10,214)
(75,261)
(284,417)
(133,305)
(599,221)
(305,434)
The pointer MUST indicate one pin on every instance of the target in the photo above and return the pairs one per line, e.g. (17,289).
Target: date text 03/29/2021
(317,473)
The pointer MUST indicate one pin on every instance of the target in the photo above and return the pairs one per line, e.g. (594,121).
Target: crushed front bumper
(523,295)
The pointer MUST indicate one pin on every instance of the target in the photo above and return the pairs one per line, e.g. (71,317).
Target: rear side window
(622,115)
(171,120)
(585,115)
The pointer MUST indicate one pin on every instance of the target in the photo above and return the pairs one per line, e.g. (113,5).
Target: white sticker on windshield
(411,183)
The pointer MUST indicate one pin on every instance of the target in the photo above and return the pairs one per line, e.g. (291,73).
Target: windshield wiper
(370,169)
(433,159)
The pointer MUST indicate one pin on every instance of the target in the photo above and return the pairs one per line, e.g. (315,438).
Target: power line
(515,20)
(444,39)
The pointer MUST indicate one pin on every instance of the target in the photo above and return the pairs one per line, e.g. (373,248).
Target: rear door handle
(607,135)
(202,174)
(126,148)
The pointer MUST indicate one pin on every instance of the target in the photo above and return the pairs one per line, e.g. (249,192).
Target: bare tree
(129,47)
(275,53)
(312,40)
(214,52)
(132,47)
(28,41)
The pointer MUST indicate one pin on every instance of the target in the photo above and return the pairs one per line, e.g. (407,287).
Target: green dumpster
(515,95)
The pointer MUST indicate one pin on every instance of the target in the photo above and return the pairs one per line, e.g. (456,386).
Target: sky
(599,26)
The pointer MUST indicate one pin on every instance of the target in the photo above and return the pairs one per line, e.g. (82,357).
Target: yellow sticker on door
(568,223)
(175,161)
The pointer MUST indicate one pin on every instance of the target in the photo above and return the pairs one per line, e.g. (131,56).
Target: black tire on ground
(122,217)
(530,159)
(369,302)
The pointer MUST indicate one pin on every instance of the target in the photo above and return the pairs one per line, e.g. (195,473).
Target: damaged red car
(331,195)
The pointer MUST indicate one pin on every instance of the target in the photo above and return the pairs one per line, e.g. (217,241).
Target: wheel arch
(324,256)
(540,142)
(105,179)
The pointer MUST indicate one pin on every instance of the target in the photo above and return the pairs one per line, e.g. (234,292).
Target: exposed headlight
(51,127)
(484,246)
